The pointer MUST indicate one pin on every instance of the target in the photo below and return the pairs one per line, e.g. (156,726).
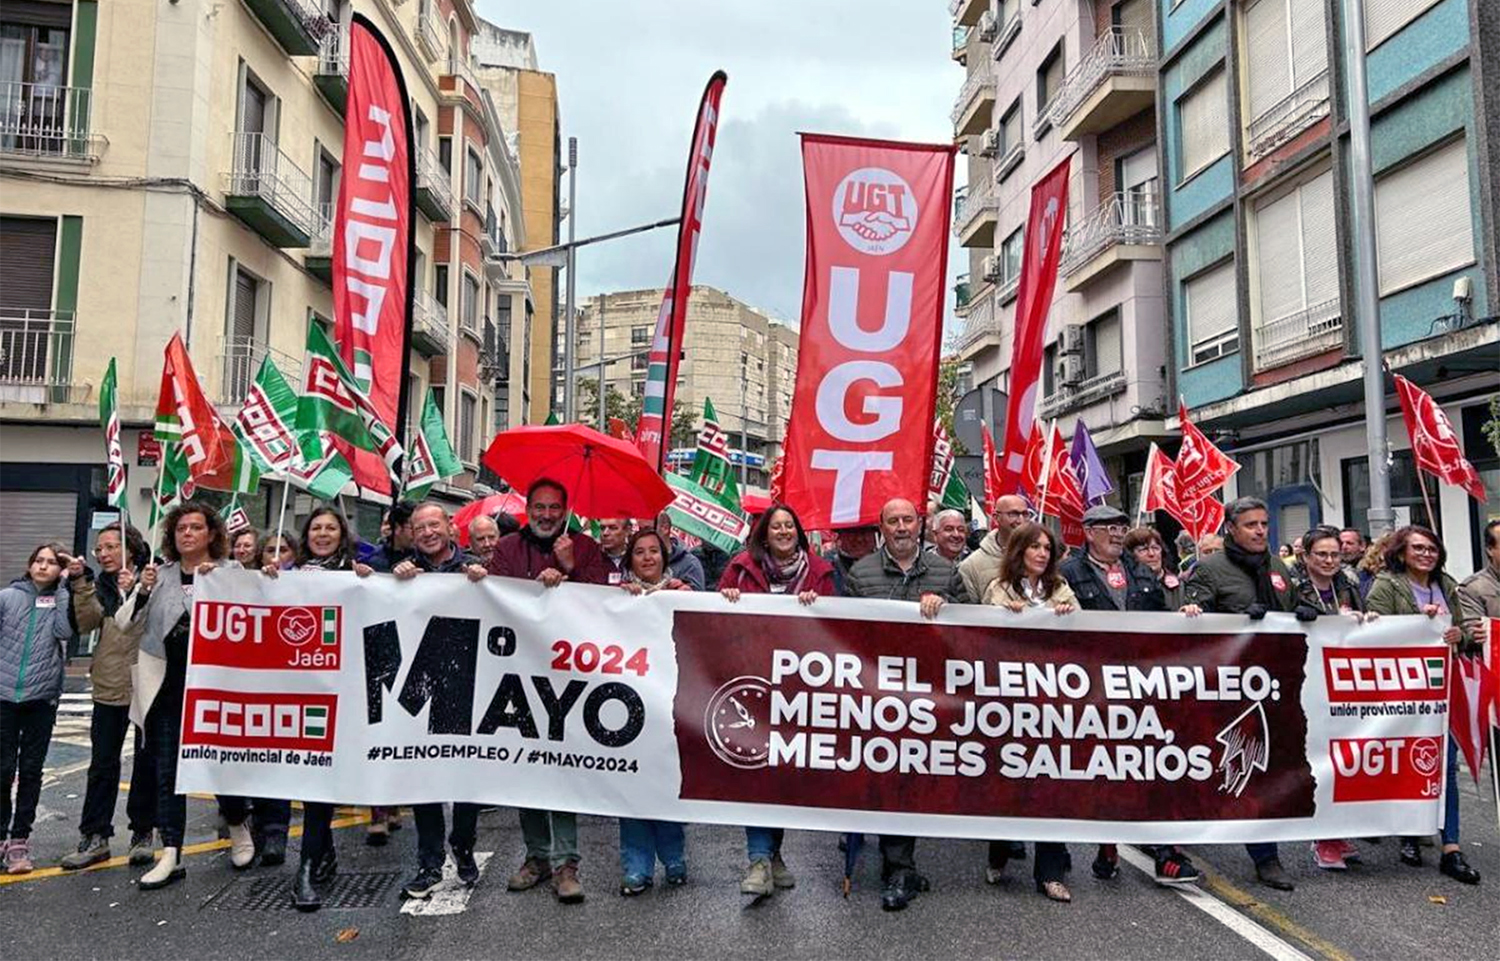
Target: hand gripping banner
(860,431)
(846,716)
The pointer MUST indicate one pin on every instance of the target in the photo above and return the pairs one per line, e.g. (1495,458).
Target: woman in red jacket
(777,559)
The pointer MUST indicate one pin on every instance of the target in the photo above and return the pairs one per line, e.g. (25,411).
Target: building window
(1011,137)
(1049,370)
(640,336)
(1286,69)
(1102,347)
(1011,250)
(1203,118)
(1385,18)
(473,178)
(445,153)
(1406,491)
(440,283)
(1295,295)
(245,322)
(1424,226)
(439,397)
(467,406)
(1049,80)
(469,303)
(1212,317)
(414,403)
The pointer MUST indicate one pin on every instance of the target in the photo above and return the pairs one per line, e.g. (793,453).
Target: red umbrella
(604,476)
(508,503)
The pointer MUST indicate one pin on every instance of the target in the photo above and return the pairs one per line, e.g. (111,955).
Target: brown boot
(529,875)
(565,884)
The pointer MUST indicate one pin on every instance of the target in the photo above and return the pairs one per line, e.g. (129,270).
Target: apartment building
(740,358)
(1049,81)
(1259,243)
(170,168)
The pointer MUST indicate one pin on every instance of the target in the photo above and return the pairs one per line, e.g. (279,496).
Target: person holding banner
(327,545)
(1479,595)
(1414,582)
(196,542)
(680,562)
(96,599)
(544,551)
(902,571)
(244,547)
(614,544)
(642,842)
(1245,578)
(484,534)
(950,534)
(778,559)
(983,566)
(1145,546)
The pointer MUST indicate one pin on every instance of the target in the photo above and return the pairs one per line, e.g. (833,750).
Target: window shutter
(1309,41)
(1423,224)
(1278,250)
(1211,304)
(27,248)
(1010,133)
(1205,124)
(1134,17)
(1320,258)
(1269,58)
(1384,18)
(1107,346)
(244,306)
(1056,71)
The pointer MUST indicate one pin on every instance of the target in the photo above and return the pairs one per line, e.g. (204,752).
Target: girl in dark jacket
(34,632)
(326,545)
(777,559)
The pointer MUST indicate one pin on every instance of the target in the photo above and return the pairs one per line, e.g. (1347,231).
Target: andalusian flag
(331,401)
(235,518)
(711,468)
(431,458)
(109,420)
(267,428)
(176,483)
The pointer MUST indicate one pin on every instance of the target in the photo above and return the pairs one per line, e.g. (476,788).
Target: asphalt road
(1381,909)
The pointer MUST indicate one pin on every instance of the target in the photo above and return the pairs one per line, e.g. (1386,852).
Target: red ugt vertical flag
(1043,250)
(872,317)
(372,239)
(1433,442)
(671,319)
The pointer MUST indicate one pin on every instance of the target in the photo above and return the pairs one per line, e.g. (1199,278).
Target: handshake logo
(874,211)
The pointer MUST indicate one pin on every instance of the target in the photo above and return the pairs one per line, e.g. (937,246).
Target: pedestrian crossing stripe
(1435,673)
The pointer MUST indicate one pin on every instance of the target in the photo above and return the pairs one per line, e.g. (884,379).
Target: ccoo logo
(874,210)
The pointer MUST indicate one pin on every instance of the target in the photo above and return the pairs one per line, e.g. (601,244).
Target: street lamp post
(569,322)
(744,420)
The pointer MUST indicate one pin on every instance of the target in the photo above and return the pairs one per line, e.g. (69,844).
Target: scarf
(650,587)
(107,592)
(1258,567)
(785,578)
(337,561)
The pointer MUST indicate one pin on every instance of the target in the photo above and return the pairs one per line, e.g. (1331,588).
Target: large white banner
(849,715)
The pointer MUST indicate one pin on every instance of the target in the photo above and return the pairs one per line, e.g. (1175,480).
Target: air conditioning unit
(990,267)
(1070,371)
(1071,341)
(988,26)
(989,144)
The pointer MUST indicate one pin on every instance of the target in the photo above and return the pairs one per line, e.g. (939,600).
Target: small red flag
(1201,467)
(1159,486)
(1433,442)
(991,471)
(185,416)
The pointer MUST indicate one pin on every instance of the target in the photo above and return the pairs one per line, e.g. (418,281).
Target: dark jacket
(1220,586)
(744,574)
(1345,593)
(455,563)
(878,575)
(841,565)
(1143,591)
(523,554)
(685,566)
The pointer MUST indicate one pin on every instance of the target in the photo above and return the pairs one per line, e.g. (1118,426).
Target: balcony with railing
(967,12)
(1114,81)
(1005,32)
(269,192)
(36,355)
(1289,116)
(434,192)
(45,120)
(461,69)
(1312,331)
(429,325)
(961,43)
(1125,227)
(979,318)
(976,210)
(319,259)
(430,31)
(298,25)
(331,76)
(974,103)
(240,362)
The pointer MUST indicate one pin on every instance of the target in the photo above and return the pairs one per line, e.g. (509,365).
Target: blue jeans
(762,844)
(1261,851)
(643,843)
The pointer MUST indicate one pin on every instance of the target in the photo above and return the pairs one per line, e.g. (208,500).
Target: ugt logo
(874,210)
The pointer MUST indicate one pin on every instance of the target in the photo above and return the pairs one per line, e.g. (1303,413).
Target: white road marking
(1262,937)
(451,896)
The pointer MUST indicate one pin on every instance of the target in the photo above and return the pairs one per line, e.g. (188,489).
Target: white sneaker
(166,871)
(241,846)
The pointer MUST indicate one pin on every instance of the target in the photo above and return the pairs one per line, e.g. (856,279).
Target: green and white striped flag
(176,483)
(332,402)
(109,420)
(267,428)
(431,458)
(711,467)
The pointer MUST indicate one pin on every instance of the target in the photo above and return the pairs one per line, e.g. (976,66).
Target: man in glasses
(983,566)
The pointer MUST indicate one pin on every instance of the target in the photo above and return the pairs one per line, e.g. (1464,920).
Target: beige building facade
(171,168)
(736,356)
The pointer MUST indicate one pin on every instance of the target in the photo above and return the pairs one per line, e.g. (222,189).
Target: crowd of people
(140,605)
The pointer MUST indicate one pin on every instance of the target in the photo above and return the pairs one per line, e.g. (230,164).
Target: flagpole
(1495,767)
(281,515)
(1041,508)
(1426,501)
(161,475)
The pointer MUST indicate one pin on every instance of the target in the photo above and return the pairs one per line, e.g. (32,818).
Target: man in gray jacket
(983,566)
(900,570)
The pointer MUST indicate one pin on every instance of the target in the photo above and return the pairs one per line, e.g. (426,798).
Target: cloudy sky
(630,73)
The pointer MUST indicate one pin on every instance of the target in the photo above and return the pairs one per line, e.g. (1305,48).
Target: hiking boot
(781,875)
(92,849)
(565,884)
(468,868)
(142,848)
(1273,875)
(1329,855)
(1107,862)
(421,886)
(759,881)
(18,855)
(1175,868)
(529,875)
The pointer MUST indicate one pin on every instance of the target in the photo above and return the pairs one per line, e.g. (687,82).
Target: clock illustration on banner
(737,722)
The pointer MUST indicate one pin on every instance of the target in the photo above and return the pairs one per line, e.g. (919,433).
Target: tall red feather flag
(1434,445)
(991,471)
